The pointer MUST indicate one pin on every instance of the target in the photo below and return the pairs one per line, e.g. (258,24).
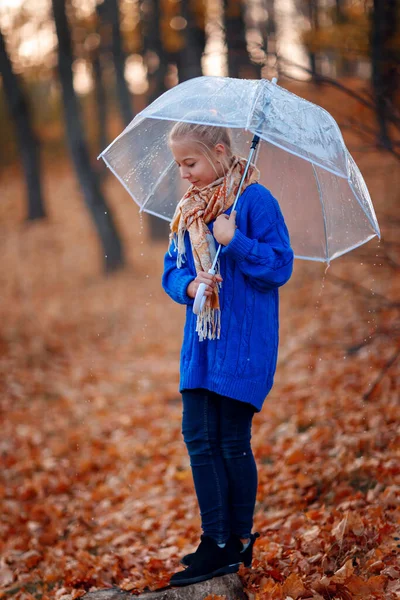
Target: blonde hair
(207,136)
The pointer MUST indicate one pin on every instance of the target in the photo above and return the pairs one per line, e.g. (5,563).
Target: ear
(220,149)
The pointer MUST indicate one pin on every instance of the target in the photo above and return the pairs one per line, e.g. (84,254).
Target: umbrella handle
(199,299)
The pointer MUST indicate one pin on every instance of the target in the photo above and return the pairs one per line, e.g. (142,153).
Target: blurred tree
(385,60)
(189,59)
(156,60)
(269,33)
(27,141)
(101,100)
(155,55)
(313,15)
(182,32)
(340,31)
(366,32)
(261,35)
(96,51)
(346,66)
(239,64)
(171,28)
(94,199)
(110,12)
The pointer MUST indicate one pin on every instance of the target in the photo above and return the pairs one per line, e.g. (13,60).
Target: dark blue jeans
(217,432)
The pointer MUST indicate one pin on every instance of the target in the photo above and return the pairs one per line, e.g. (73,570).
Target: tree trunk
(101,102)
(384,68)
(189,59)
(228,586)
(94,199)
(314,22)
(157,65)
(345,66)
(269,37)
(111,11)
(154,53)
(28,144)
(97,56)
(239,64)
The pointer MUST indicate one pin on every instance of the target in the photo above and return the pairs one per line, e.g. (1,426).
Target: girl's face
(200,167)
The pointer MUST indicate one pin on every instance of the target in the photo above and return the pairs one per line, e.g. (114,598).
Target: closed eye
(186,164)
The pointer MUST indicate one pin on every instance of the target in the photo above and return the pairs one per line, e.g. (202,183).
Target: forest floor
(95,485)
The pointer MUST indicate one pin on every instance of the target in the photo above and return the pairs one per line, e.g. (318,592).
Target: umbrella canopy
(302,159)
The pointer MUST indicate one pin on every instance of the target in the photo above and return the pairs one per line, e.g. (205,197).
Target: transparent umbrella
(301,156)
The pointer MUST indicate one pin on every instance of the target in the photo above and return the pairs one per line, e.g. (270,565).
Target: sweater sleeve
(267,261)
(175,281)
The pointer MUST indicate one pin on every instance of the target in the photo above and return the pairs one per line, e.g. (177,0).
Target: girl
(229,350)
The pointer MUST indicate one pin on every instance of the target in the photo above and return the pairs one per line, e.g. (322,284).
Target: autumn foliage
(96,488)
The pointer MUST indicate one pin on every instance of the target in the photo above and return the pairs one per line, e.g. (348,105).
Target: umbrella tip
(274,80)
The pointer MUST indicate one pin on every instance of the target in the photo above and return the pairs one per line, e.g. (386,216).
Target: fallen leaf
(293,586)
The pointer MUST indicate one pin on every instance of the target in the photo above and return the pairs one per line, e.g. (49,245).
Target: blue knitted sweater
(259,259)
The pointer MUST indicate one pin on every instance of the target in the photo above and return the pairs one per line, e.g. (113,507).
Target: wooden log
(229,586)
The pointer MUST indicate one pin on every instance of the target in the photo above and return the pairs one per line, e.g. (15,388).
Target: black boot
(248,553)
(234,542)
(207,562)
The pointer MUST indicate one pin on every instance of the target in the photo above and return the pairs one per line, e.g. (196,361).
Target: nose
(184,172)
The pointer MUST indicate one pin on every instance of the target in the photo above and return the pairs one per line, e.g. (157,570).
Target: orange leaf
(358,586)
(295,457)
(293,586)
(343,573)
(377,583)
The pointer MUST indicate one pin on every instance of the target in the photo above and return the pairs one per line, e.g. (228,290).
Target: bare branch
(386,303)
(381,375)
(385,333)
(327,80)
(392,117)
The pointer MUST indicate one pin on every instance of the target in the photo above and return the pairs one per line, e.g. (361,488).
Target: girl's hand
(202,277)
(224,228)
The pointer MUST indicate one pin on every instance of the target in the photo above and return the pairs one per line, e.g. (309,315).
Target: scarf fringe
(209,324)
(178,240)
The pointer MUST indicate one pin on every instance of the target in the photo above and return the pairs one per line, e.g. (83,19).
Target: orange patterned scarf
(197,208)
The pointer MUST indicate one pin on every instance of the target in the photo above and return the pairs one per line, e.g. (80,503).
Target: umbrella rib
(226,83)
(310,160)
(354,246)
(255,99)
(120,179)
(370,216)
(156,184)
(323,211)
(152,212)
(366,213)
(313,258)
(202,107)
(127,128)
